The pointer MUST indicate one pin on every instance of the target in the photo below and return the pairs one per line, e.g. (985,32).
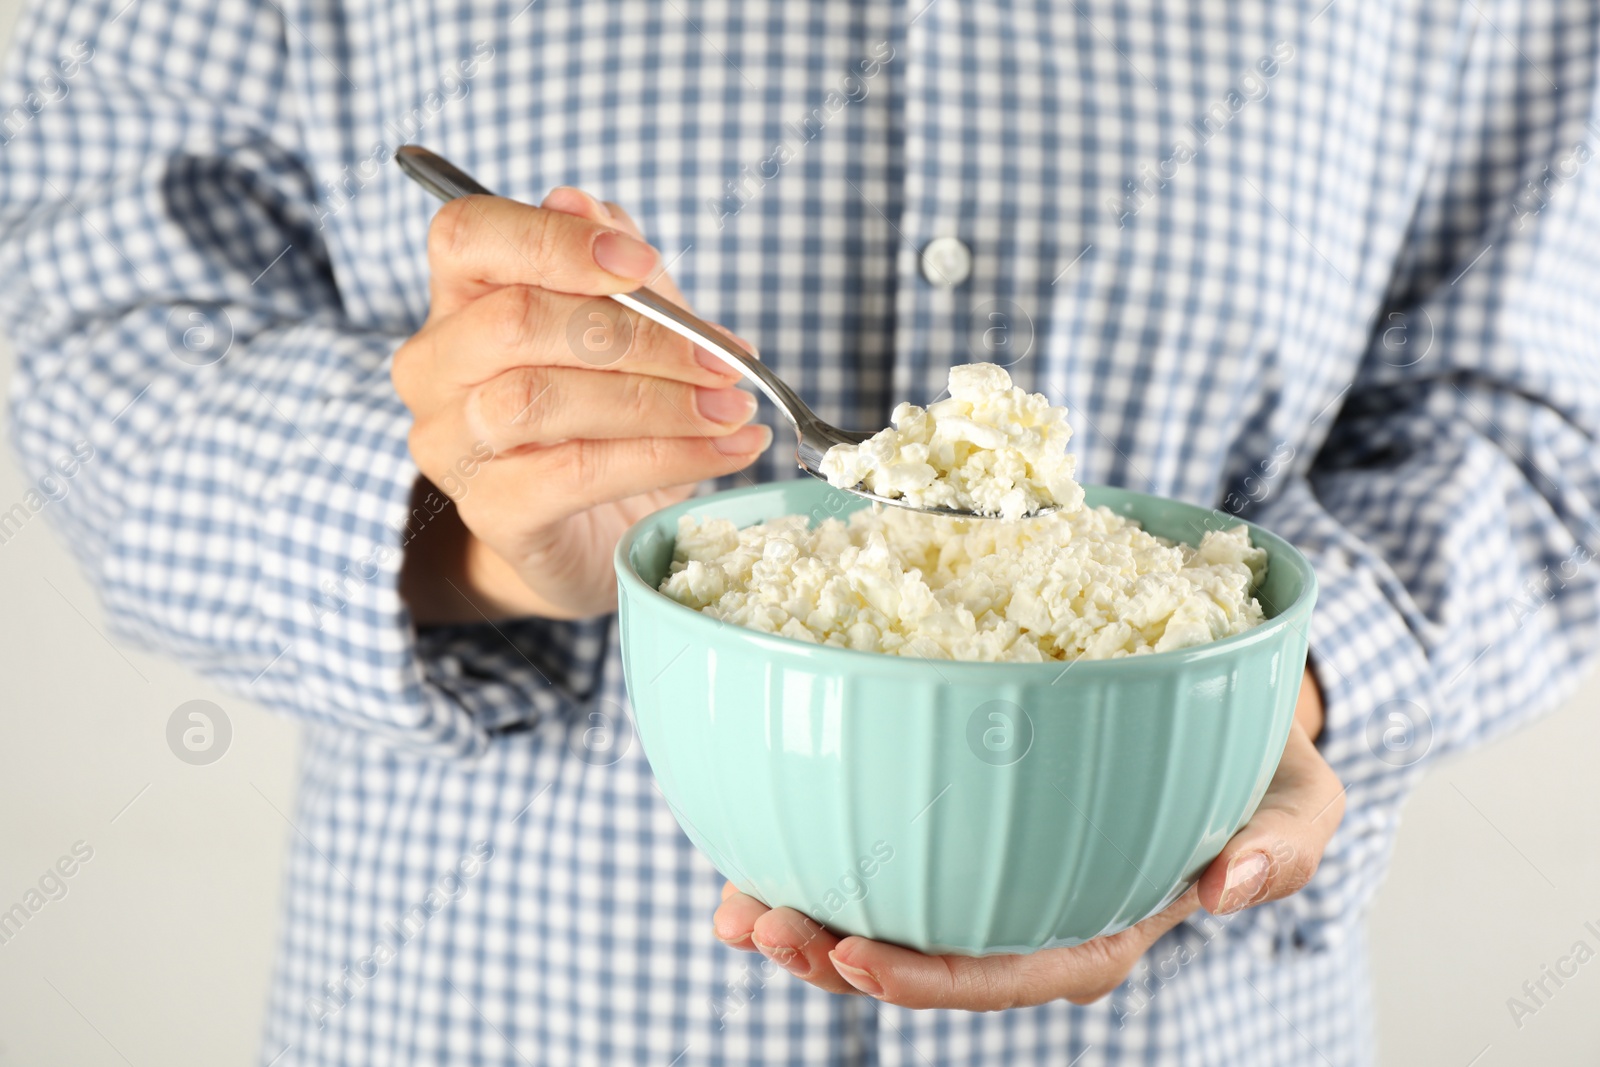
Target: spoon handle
(657,308)
(437,174)
(447,181)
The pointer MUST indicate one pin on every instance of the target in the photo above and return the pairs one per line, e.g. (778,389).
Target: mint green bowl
(970,808)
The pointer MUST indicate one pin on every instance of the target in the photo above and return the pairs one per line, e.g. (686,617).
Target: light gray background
(160,951)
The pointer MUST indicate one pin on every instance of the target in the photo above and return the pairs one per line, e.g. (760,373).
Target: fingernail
(791,960)
(857,977)
(625,256)
(744,440)
(1247,873)
(725,405)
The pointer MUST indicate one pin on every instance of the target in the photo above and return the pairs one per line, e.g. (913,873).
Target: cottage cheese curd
(1076,583)
(1085,583)
(990,448)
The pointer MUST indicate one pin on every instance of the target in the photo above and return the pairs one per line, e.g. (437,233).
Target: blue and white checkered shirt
(1332,265)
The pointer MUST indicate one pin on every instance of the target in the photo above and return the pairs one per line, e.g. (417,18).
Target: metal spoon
(447,181)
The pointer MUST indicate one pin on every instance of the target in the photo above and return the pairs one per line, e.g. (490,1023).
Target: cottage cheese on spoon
(990,448)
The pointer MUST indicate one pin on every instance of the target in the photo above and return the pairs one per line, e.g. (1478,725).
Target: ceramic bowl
(956,807)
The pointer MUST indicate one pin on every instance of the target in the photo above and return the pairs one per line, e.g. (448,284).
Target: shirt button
(946,262)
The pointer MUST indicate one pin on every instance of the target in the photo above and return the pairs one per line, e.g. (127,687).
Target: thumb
(1278,850)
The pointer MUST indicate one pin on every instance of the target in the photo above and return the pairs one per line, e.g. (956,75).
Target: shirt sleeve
(240,487)
(1451,512)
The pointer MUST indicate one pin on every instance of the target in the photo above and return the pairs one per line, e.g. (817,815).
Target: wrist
(1309,709)
(449,575)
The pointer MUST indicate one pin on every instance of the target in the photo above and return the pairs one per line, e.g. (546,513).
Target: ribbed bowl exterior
(969,808)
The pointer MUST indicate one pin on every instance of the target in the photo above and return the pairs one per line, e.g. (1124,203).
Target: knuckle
(543,238)
(655,452)
(580,463)
(1106,972)
(1294,875)
(971,985)
(666,346)
(416,444)
(422,440)
(519,316)
(448,233)
(558,464)
(984,987)
(520,398)
(660,451)
(403,369)
(639,399)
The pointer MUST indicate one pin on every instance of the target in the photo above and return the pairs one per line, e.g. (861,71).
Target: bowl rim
(699,623)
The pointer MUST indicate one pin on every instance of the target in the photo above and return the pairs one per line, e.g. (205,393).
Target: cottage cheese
(1076,583)
(990,448)
(1085,583)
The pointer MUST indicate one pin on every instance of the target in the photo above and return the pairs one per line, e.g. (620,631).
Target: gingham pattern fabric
(1333,266)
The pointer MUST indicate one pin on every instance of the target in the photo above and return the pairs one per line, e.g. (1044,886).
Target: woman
(1329,266)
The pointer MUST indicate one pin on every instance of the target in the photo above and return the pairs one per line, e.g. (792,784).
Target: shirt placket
(980,228)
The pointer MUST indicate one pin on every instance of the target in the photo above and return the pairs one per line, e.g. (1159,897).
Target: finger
(573,201)
(564,479)
(543,405)
(478,243)
(1082,973)
(615,215)
(1277,852)
(577,202)
(1120,951)
(735,918)
(800,945)
(524,326)
(585,205)
(622,219)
